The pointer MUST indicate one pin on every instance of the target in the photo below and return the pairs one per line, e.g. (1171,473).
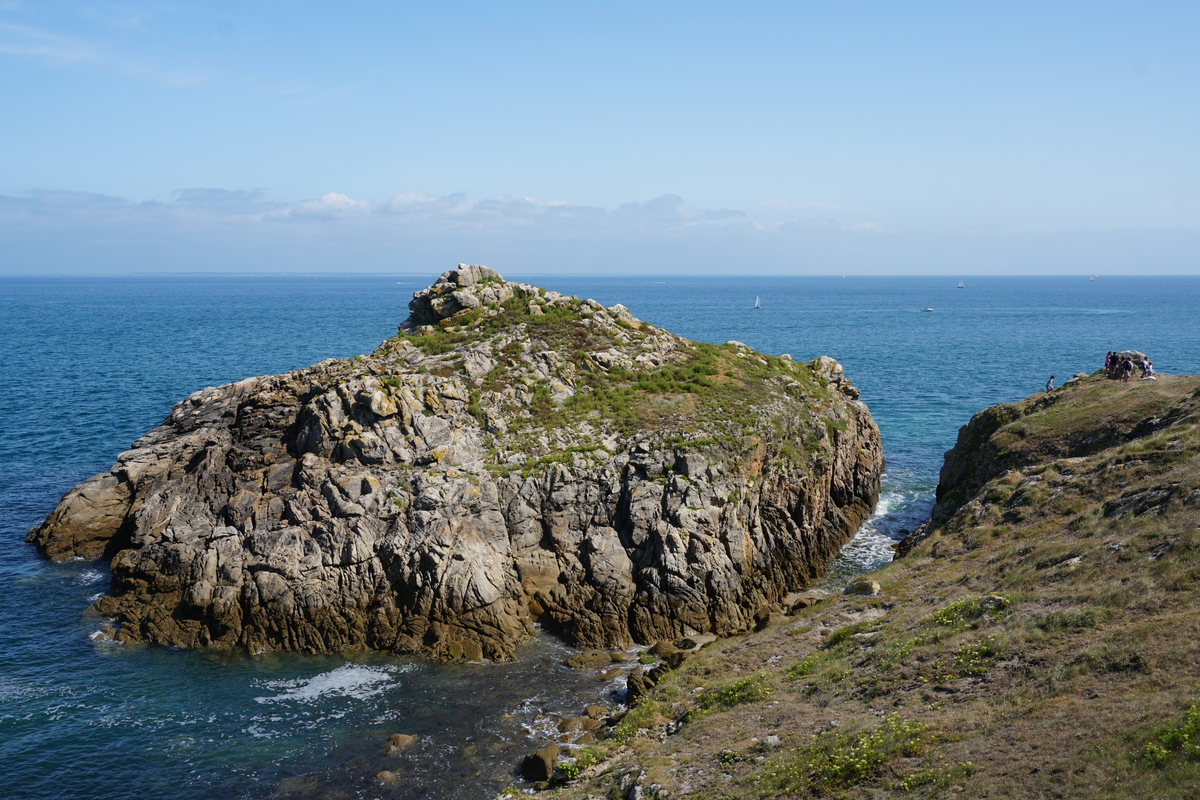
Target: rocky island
(512,456)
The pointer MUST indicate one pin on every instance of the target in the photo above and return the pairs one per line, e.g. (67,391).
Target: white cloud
(409,200)
(332,205)
(211,228)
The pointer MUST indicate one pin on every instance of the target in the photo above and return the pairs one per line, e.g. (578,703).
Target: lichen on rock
(512,456)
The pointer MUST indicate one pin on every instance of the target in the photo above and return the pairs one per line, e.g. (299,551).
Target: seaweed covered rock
(511,456)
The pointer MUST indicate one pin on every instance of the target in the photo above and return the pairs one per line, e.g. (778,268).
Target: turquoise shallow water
(90,364)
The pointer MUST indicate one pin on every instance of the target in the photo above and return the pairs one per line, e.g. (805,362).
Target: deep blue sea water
(89,364)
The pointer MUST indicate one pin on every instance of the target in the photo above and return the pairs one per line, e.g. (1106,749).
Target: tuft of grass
(473,407)
(1073,619)
(844,633)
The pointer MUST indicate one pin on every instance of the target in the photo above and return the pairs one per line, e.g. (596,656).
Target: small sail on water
(756,303)
(962,285)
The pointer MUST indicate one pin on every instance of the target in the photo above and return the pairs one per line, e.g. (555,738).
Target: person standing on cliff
(1050,384)
(1126,370)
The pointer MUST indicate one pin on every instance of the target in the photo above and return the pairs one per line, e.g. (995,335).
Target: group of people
(1118,367)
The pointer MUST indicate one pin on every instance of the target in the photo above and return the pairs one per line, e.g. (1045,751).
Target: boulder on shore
(539,766)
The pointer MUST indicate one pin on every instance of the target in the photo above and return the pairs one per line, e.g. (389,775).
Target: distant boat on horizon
(1093,277)
(756,303)
(962,285)
(927,309)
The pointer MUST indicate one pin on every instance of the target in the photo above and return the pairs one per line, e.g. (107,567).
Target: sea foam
(350,680)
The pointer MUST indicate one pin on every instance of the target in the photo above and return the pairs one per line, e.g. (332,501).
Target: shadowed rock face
(513,456)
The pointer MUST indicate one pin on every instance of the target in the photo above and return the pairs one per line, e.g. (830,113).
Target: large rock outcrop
(511,456)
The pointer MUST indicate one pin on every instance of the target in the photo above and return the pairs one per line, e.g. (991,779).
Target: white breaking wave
(899,510)
(350,680)
(884,504)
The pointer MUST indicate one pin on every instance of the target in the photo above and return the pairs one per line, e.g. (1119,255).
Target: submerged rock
(388,778)
(512,455)
(397,743)
(589,659)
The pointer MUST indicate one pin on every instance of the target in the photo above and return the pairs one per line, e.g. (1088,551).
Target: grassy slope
(1044,641)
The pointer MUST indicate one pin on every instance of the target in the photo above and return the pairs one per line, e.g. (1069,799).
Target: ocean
(89,364)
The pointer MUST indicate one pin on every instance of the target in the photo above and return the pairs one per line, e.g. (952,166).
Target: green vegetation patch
(1176,741)
(806,666)
(976,658)
(584,758)
(748,690)
(968,612)
(938,647)
(838,760)
(644,714)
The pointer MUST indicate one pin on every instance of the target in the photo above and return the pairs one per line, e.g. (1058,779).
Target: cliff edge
(511,456)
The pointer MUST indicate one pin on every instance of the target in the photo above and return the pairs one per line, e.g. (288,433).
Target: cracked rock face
(511,457)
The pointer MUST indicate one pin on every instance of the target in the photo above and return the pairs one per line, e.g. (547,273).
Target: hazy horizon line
(647,276)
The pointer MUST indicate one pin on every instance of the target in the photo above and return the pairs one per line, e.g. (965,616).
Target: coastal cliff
(1039,639)
(511,456)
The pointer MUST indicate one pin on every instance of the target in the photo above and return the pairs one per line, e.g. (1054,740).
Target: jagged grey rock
(512,456)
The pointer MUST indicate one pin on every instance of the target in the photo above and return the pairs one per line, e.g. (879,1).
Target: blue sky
(800,137)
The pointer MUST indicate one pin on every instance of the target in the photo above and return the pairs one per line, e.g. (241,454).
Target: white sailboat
(962,285)
(756,304)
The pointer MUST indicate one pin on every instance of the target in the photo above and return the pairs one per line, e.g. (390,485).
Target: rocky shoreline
(511,457)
